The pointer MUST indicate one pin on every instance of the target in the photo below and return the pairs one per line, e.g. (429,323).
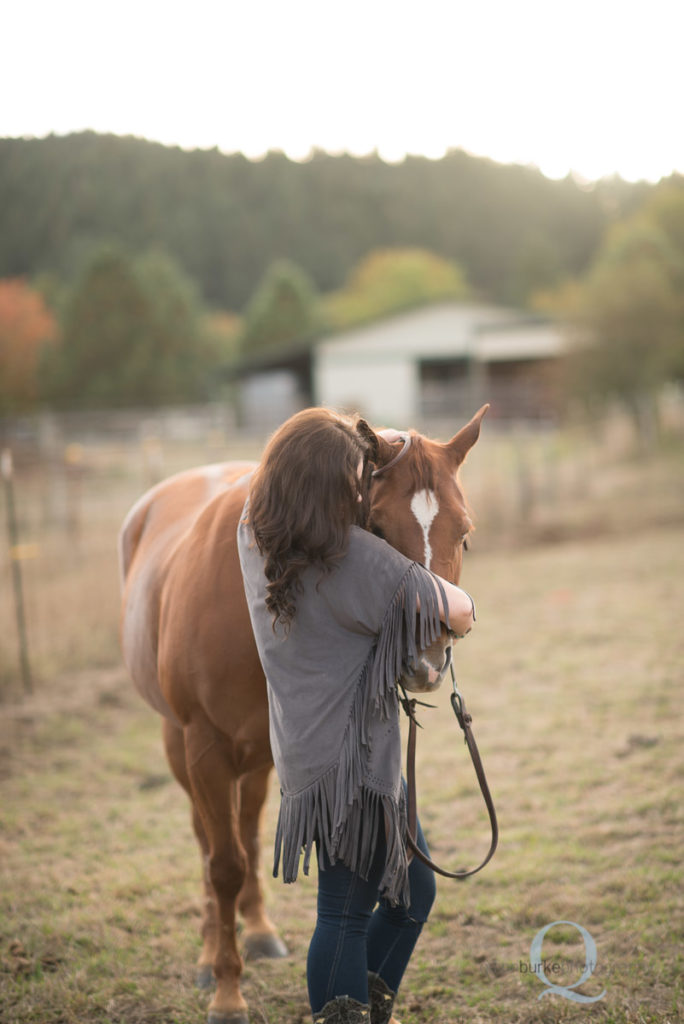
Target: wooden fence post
(74,470)
(15,560)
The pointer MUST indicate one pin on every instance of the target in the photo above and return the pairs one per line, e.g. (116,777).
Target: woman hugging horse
(338,617)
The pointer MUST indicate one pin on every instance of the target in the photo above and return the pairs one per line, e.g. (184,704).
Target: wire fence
(74,477)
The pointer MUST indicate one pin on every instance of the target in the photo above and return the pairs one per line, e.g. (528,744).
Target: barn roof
(447,330)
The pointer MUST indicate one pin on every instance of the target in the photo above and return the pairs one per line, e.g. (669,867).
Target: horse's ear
(380,451)
(461,443)
(369,436)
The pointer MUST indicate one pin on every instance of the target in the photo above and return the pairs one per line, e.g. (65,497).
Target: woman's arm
(460,607)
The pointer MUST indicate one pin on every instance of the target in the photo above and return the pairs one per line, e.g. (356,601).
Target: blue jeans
(354,936)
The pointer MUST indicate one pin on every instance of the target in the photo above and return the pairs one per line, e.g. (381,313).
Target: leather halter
(406,438)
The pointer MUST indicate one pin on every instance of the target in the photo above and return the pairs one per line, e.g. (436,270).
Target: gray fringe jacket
(333,705)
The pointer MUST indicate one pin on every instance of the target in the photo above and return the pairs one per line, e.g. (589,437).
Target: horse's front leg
(215,796)
(260,936)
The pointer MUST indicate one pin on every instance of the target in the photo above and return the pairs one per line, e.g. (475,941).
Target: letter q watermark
(566,991)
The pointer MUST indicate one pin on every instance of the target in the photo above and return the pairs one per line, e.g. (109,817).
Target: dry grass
(573,677)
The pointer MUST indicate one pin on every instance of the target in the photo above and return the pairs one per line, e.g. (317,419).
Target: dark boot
(343,1010)
(381,999)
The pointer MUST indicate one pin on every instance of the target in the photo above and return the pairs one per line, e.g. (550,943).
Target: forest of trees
(132,273)
(224,219)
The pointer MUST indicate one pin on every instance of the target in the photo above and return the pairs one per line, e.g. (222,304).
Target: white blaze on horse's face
(425,507)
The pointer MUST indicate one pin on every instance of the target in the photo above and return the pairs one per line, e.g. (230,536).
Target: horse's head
(418,506)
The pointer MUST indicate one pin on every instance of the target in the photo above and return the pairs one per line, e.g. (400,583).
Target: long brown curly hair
(305,496)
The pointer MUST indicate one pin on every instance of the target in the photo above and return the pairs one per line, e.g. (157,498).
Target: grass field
(574,679)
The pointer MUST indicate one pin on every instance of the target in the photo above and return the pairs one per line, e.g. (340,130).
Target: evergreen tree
(177,353)
(102,356)
(283,309)
(132,335)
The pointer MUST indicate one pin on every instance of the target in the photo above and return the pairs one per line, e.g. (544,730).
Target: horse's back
(153,537)
(170,506)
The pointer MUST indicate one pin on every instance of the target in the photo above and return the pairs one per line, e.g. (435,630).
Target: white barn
(424,366)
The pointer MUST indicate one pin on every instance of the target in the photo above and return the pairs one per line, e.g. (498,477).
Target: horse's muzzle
(429,672)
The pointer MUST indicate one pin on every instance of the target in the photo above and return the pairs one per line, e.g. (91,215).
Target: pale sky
(590,86)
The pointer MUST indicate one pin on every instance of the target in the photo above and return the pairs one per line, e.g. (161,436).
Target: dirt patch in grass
(573,677)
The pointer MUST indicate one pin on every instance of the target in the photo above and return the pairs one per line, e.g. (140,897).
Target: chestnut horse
(188,645)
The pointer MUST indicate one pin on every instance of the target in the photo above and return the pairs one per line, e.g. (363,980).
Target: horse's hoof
(260,947)
(239,1017)
(205,977)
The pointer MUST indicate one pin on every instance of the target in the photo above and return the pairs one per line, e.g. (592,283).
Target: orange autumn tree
(26,326)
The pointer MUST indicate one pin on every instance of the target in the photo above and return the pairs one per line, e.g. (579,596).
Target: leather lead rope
(464,720)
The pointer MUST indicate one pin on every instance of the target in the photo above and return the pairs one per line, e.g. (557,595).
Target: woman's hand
(461,609)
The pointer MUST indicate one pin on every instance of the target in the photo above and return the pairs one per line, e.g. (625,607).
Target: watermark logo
(538,965)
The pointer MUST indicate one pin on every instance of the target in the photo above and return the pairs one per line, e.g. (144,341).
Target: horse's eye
(465,543)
